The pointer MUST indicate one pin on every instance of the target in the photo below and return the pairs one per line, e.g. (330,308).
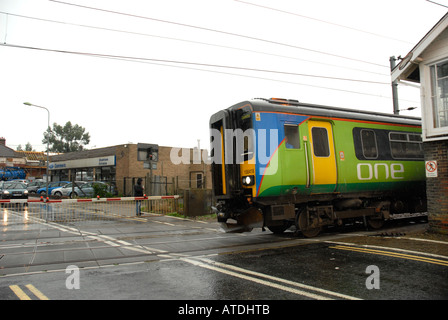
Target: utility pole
(48,141)
(394,86)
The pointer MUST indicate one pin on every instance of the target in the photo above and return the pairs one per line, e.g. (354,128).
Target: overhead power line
(158,62)
(439,4)
(206,65)
(222,32)
(323,21)
(191,41)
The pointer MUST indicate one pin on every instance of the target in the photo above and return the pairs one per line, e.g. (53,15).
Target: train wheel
(303,226)
(375,223)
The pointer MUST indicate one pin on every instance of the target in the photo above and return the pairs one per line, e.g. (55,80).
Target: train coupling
(222,216)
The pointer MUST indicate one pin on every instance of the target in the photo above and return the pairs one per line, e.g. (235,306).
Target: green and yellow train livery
(278,162)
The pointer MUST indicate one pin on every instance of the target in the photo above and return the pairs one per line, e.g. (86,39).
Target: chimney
(2,141)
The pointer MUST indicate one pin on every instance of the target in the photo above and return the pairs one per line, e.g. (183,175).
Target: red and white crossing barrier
(20,211)
(98,199)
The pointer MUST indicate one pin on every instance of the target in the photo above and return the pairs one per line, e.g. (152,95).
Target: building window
(439,93)
(199,180)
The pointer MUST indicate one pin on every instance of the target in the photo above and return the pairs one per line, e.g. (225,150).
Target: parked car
(88,189)
(13,190)
(51,186)
(24,181)
(66,190)
(33,186)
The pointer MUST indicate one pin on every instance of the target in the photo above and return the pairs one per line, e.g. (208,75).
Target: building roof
(85,154)
(8,152)
(32,155)
(408,69)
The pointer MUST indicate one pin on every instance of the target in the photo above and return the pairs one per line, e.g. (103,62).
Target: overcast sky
(157,99)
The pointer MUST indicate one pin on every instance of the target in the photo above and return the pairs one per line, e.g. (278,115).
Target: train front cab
(241,185)
(233,168)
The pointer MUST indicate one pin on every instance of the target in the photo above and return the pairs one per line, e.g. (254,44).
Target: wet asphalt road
(166,258)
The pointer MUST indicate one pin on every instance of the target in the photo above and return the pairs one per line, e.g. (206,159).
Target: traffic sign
(431,168)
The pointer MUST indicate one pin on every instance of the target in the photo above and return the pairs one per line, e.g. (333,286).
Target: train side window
(415,137)
(405,145)
(369,144)
(292,137)
(321,145)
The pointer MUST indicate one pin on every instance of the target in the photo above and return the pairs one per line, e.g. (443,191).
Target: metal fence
(66,211)
(154,185)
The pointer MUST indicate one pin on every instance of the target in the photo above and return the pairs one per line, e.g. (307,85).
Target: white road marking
(230,270)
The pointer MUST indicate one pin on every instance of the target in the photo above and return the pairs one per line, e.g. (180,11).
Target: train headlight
(248,180)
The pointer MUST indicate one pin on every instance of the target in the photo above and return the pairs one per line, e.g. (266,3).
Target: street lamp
(33,105)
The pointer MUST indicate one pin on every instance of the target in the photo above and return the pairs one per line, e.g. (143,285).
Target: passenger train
(279,162)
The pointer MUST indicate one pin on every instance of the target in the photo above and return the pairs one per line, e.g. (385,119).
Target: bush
(101,190)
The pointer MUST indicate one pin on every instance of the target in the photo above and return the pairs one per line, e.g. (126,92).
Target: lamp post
(48,111)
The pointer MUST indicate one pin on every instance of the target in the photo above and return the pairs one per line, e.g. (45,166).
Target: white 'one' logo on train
(367,171)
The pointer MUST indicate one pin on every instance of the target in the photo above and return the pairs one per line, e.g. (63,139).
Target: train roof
(296,107)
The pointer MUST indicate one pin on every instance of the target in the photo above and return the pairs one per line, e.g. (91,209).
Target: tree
(67,138)
(28,147)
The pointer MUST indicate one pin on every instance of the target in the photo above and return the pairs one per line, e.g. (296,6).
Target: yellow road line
(19,292)
(393,254)
(36,292)
(23,296)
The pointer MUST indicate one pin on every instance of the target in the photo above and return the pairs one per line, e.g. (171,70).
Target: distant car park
(33,186)
(52,185)
(13,190)
(66,191)
(25,181)
(92,189)
(84,189)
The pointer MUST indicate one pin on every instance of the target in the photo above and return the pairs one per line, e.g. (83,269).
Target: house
(11,163)
(9,157)
(30,163)
(427,64)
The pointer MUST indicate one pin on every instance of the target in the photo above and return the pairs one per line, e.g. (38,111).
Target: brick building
(427,64)
(122,165)
(437,187)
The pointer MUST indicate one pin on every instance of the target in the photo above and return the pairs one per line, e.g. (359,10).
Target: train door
(220,181)
(323,161)
(292,164)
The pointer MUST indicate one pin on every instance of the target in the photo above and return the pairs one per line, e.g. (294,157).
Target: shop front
(86,168)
